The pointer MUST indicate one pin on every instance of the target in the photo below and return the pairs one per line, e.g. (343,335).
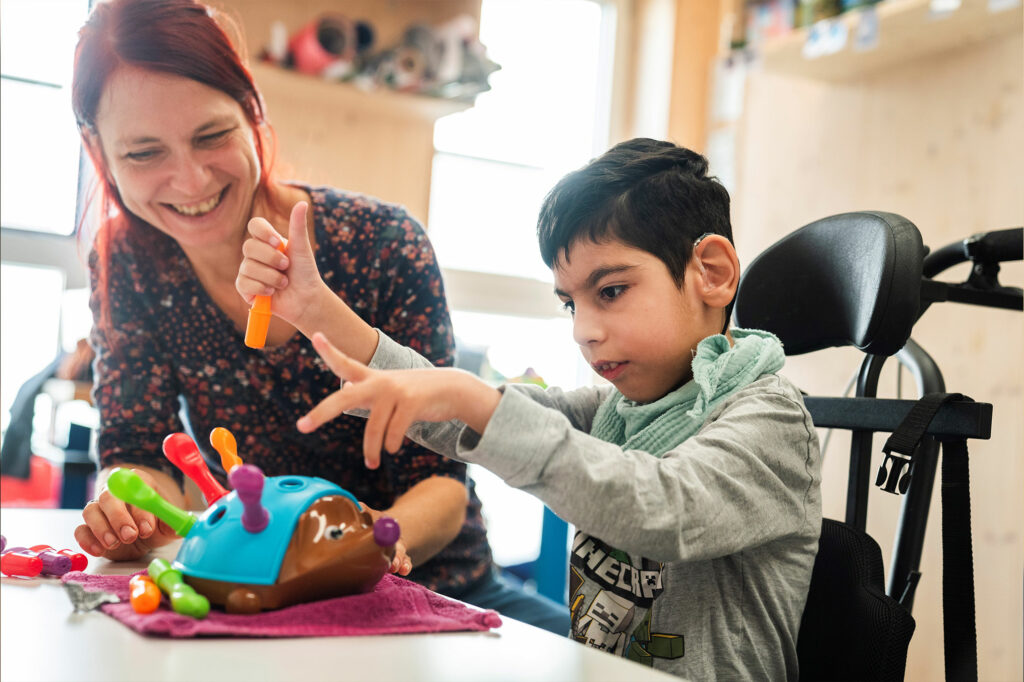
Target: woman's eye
(213,138)
(145,155)
(613,292)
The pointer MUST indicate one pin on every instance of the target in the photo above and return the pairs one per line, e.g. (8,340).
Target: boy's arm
(750,475)
(395,400)
(578,405)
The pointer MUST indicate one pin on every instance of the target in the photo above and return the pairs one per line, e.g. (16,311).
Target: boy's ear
(719,267)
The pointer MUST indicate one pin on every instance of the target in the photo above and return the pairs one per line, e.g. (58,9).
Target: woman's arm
(118,531)
(412,308)
(430,514)
(300,295)
(136,396)
(392,253)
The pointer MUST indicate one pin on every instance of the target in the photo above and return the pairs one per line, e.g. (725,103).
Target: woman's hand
(293,279)
(401,564)
(398,398)
(118,531)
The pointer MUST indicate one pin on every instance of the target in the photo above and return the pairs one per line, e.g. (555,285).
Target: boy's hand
(398,398)
(293,279)
(119,531)
(401,564)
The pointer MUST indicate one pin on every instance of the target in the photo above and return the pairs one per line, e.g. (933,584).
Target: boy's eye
(569,306)
(612,292)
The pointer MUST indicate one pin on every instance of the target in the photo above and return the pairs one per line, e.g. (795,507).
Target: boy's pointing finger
(326,410)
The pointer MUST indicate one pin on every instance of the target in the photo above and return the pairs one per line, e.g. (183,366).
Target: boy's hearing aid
(700,265)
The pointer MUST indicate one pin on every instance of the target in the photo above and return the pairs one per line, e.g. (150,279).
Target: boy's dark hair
(652,195)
